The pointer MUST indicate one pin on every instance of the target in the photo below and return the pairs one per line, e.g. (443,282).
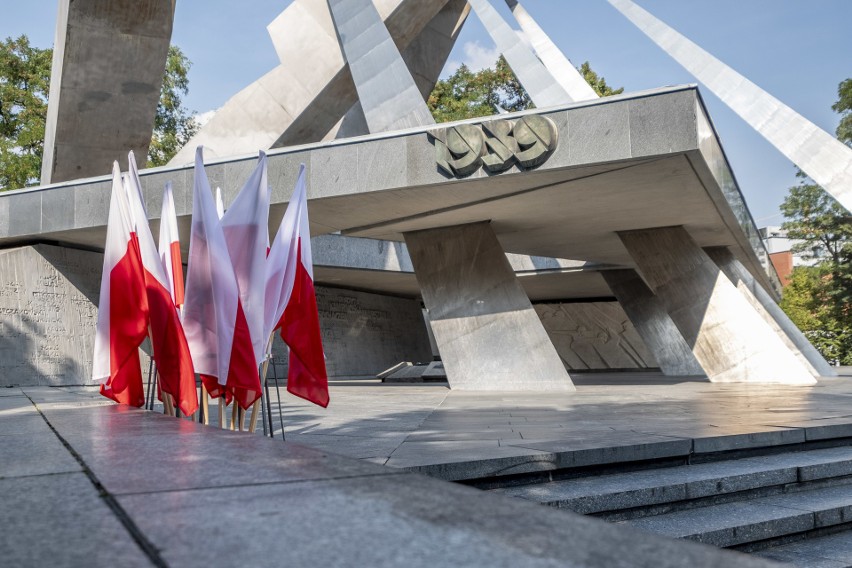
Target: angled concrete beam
(825,159)
(425,58)
(728,337)
(551,56)
(302,99)
(542,87)
(653,323)
(771,312)
(105,81)
(485,327)
(388,95)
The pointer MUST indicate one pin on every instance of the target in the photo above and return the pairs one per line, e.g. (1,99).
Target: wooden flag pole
(259,402)
(234,415)
(205,405)
(222,412)
(264,369)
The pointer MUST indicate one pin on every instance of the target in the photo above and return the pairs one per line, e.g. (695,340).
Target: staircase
(793,506)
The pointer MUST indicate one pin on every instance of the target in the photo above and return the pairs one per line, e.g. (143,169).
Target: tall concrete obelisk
(551,56)
(825,159)
(541,86)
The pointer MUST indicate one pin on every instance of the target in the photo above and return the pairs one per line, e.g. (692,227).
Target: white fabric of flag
(212,292)
(246,229)
(283,254)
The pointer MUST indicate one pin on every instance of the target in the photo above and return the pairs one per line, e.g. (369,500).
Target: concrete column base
(727,336)
(649,317)
(771,312)
(488,333)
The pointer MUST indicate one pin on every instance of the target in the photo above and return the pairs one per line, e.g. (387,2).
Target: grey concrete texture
(653,323)
(303,98)
(61,520)
(48,300)
(830,551)
(377,68)
(769,310)
(729,524)
(595,335)
(345,194)
(730,340)
(105,83)
(486,330)
(338,520)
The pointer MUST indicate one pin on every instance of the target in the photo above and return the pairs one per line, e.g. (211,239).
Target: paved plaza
(86,482)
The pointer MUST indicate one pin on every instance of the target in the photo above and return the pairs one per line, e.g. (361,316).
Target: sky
(797,50)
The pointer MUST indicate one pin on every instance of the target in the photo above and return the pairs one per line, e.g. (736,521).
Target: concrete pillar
(771,312)
(728,337)
(649,317)
(488,333)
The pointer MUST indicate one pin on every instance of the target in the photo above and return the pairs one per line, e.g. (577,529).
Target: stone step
(739,523)
(617,492)
(830,551)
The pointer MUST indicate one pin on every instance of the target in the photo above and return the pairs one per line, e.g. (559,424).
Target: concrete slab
(118,446)
(429,523)
(62,521)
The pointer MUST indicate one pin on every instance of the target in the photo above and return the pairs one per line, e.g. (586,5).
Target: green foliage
(24,85)
(819,297)
(24,88)
(468,94)
(844,107)
(174,125)
(809,303)
(597,83)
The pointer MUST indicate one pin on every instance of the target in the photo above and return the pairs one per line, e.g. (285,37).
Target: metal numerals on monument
(496,145)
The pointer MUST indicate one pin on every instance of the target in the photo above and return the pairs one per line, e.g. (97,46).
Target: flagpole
(222,412)
(205,405)
(262,375)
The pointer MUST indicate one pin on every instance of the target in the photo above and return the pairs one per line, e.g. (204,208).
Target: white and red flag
(123,306)
(170,255)
(216,327)
(291,303)
(170,349)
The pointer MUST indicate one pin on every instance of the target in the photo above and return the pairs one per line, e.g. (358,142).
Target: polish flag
(170,256)
(123,307)
(170,349)
(246,228)
(216,327)
(291,303)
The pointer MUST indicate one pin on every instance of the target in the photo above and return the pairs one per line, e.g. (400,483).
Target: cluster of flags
(239,290)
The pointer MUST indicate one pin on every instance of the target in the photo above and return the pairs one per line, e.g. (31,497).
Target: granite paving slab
(626,490)
(404,520)
(830,551)
(61,521)
(728,524)
(36,454)
(829,505)
(127,453)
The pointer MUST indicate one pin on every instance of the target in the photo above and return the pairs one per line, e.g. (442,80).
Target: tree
(819,297)
(844,107)
(597,83)
(174,125)
(24,86)
(466,94)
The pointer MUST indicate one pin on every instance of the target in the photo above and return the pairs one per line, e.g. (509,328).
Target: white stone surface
(728,337)
(594,335)
(48,311)
(488,333)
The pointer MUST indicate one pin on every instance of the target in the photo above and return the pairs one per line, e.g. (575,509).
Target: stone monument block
(48,312)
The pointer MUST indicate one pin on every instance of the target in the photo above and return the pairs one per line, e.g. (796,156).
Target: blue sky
(798,50)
